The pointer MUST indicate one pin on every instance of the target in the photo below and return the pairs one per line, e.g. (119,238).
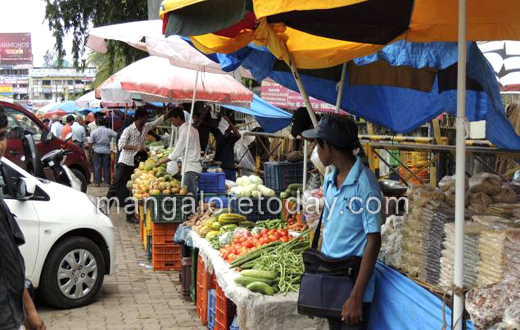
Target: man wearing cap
(352,223)
(56,126)
(130,144)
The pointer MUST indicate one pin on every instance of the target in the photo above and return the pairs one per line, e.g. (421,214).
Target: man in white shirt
(192,166)
(56,126)
(131,143)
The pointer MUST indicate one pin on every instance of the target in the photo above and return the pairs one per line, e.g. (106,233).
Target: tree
(78,16)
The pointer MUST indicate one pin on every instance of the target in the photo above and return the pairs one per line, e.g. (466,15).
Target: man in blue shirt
(352,213)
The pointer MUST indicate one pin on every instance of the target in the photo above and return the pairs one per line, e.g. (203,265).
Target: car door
(26,217)
(19,124)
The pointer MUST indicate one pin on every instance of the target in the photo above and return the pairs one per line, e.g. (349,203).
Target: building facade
(55,85)
(15,62)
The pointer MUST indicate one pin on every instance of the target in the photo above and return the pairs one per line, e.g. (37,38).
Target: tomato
(248,234)
(258,235)
(249,244)
(284,239)
(232,256)
(283,232)
(277,235)
(272,231)
(243,250)
(264,231)
(272,238)
(258,244)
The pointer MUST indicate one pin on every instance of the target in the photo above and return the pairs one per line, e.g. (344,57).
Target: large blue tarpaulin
(401,304)
(271,118)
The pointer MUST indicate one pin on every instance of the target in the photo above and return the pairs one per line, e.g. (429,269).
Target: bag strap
(317,233)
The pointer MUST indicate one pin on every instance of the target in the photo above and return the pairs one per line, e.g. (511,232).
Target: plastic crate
(185,278)
(212,182)
(185,250)
(212,297)
(264,208)
(193,275)
(163,233)
(225,311)
(169,208)
(279,175)
(166,257)
(202,291)
(290,211)
(234,325)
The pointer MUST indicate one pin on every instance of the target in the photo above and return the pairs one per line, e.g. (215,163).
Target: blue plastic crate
(221,201)
(256,209)
(212,301)
(234,325)
(212,182)
(279,175)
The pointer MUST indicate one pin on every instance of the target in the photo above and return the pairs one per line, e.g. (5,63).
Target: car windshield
(16,118)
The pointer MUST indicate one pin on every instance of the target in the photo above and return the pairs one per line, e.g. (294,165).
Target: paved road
(136,298)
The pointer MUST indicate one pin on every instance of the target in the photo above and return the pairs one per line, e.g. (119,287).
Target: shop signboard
(15,49)
(285,98)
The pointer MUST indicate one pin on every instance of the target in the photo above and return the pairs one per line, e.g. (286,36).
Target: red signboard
(15,48)
(285,98)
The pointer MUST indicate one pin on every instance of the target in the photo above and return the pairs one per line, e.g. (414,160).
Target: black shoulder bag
(327,282)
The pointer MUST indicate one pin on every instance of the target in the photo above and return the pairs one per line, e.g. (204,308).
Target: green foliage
(249,83)
(78,16)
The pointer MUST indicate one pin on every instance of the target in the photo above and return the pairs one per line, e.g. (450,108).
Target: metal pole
(302,90)
(341,84)
(190,121)
(460,170)
(305,158)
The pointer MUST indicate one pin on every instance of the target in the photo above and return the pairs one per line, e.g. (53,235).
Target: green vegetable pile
(284,260)
(270,224)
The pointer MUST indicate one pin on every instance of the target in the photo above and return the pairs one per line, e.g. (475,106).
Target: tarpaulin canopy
(84,101)
(388,97)
(271,118)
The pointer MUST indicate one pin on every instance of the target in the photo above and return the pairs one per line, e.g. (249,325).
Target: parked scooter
(52,165)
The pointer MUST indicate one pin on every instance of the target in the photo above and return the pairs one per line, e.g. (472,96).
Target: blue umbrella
(67,106)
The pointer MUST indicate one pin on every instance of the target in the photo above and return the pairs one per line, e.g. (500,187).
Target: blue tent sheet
(402,109)
(271,118)
(400,303)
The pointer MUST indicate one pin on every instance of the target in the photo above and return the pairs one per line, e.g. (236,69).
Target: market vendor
(193,167)
(353,219)
(131,143)
(226,135)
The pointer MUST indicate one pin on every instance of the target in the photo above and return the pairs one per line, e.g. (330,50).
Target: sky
(28,16)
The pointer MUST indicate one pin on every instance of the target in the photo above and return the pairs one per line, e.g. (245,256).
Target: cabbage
(238,190)
(239,180)
(266,191)
(245,182)
(253,187)
(246,192)
(255,179)
(256,194)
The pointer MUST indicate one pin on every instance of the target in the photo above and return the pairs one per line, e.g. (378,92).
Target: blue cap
(340,134)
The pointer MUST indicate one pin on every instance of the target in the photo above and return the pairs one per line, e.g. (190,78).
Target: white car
(69,242)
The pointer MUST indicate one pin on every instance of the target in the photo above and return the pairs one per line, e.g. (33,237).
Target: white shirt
(92,127)
(132,136)
(56,129)
(193,159)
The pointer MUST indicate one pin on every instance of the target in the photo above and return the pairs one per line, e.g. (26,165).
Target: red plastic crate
(141,229)
(225,311)
(166,257)
(162,233)
(202,291)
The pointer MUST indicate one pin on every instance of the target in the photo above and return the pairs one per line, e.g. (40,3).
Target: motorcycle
(52,165)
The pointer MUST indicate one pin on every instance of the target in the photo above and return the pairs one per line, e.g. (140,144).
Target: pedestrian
(353,224)
(93,125)
(226,135)
(79,134)
(67,129)
(192,167)
(130,144)
(16,306)
(56,126)
(100,141)
(46,123)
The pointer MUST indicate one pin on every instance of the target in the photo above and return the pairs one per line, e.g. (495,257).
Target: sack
(326,282)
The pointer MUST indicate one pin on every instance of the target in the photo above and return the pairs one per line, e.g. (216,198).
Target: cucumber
(289,193)
(261,287)
(284,195)
(229,227)
(245,281)
(295,186)
(259,274)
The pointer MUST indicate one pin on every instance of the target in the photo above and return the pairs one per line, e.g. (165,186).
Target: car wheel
(81,178)
(73,273)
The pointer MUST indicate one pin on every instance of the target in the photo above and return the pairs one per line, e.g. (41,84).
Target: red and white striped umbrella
(154,79)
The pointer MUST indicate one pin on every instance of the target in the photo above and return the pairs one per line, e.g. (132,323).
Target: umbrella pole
(460,189)
(302,90)
(190,121)
(341,84)
(171,135)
